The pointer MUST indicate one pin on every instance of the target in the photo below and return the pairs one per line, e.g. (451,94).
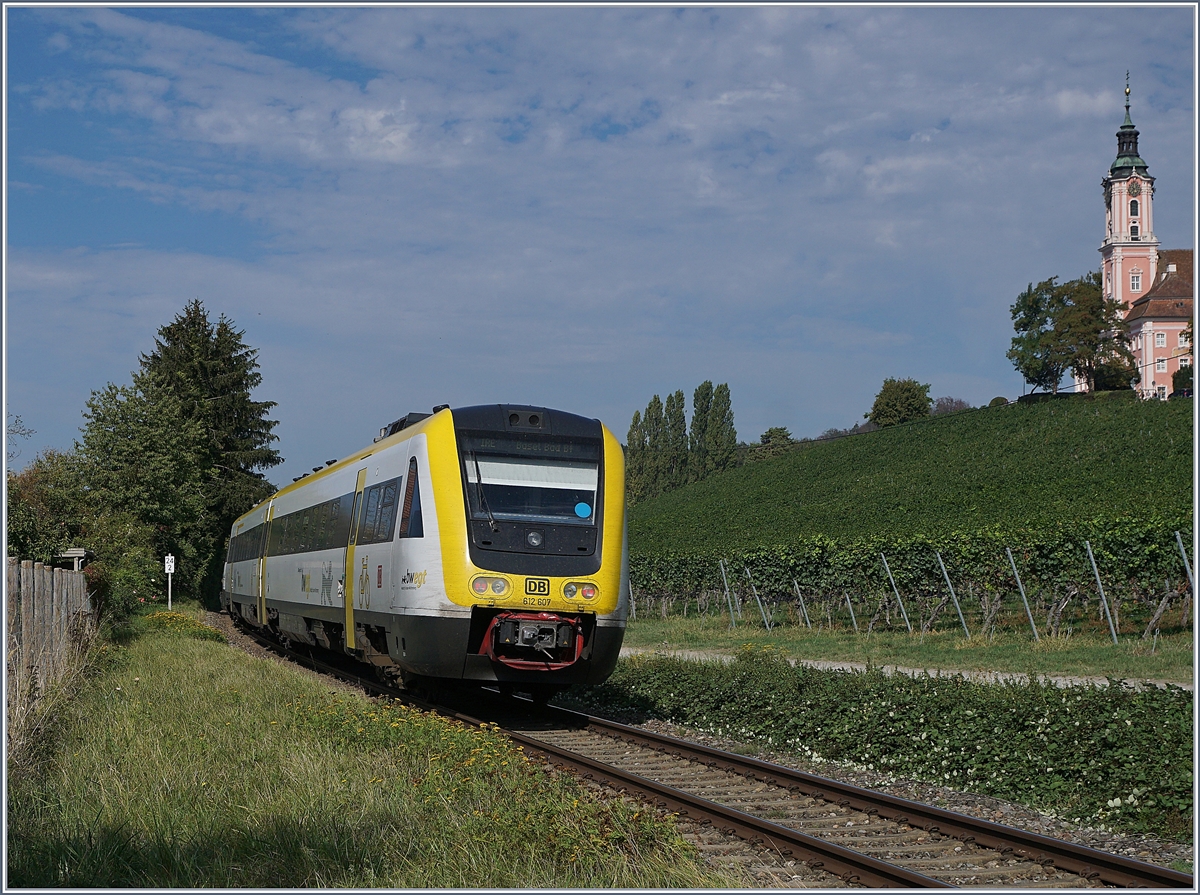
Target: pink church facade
(1154,286)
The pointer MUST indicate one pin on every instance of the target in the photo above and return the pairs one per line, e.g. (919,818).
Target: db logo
(538,587)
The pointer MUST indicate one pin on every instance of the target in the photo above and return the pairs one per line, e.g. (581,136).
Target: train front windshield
(531,479)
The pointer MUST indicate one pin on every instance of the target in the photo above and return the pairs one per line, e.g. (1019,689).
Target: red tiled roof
(1171,296)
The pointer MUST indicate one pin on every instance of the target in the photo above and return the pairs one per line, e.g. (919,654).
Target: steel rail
(849,865)
(1114,870)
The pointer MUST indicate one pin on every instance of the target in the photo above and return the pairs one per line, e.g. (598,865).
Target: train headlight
(535,538)
(579,589)
(483,584)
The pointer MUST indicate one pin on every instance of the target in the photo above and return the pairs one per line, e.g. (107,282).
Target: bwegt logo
(417,578)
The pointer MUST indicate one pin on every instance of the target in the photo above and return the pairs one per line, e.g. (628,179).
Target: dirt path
(988,677)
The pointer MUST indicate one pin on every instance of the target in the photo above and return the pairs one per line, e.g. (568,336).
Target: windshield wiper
(482,497)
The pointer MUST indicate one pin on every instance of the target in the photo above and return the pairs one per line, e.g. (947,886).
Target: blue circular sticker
(582,510)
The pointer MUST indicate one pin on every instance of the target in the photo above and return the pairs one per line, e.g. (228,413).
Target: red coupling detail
(488,648)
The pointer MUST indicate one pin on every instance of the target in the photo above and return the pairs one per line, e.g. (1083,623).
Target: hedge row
(1104,755)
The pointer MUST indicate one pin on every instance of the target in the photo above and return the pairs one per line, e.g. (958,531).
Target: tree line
(662,453)
(163,465)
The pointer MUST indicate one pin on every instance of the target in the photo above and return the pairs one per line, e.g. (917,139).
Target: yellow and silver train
(483,544)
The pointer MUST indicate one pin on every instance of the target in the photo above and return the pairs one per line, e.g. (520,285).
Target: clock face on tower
(1135,187)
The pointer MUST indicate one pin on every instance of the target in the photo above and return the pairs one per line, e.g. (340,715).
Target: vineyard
(942,503)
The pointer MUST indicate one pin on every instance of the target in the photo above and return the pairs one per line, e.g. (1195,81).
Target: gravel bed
(1143,848)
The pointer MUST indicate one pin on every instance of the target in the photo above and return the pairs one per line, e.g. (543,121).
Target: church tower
(1130,249)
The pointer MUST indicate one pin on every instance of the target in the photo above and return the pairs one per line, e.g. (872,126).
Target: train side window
(384,525)
(411,525)
(366,528)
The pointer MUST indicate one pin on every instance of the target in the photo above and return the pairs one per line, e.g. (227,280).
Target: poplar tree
(698,437)
(635,460)
(721,436)
(653,424)
(675,443)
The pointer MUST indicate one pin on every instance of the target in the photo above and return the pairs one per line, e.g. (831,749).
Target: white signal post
(169,567)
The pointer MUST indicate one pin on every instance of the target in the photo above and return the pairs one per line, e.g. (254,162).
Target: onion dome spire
(1128,161)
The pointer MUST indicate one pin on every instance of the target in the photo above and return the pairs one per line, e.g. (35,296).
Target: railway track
(858,836)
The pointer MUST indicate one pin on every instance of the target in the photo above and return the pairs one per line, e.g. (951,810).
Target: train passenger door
(262,566)
(350,577)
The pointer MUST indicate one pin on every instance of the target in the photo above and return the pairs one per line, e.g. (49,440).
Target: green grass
(185,763)
(1014,467)
(1090,654)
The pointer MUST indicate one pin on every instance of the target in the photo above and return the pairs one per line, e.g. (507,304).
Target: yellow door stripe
(348,588)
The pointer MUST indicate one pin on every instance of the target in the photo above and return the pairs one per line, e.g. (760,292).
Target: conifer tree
(211,371)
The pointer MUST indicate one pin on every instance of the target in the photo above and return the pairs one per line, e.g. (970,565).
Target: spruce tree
(211,372)
(698,438)
(675,443)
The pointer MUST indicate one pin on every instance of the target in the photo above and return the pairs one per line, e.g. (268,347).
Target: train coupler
(535,641)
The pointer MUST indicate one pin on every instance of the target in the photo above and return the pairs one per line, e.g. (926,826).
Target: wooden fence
(49,618)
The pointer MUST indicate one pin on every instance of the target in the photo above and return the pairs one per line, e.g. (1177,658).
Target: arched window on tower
(1133,232)
(1133,208)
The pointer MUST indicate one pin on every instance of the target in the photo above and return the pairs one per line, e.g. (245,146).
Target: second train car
(483,544)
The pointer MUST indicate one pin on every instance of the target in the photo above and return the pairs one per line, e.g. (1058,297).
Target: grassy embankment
(1038,478)
(184,762)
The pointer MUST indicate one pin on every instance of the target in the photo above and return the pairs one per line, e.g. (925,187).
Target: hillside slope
(1017,466)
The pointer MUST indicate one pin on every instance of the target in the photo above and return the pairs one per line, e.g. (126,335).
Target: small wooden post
(27,620)
(13,580)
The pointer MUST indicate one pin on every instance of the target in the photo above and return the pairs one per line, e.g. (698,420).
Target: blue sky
(571,207)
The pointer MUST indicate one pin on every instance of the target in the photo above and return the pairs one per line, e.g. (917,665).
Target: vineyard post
(896,591)
(1187,565)
(946,575)
(850,606)
(803,608)
(1021,587)
(754,590)
(1103,599)
(728,599)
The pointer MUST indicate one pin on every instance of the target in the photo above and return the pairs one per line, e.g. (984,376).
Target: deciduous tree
(675,443)
(1038,351)
(900,401)
(698,436)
